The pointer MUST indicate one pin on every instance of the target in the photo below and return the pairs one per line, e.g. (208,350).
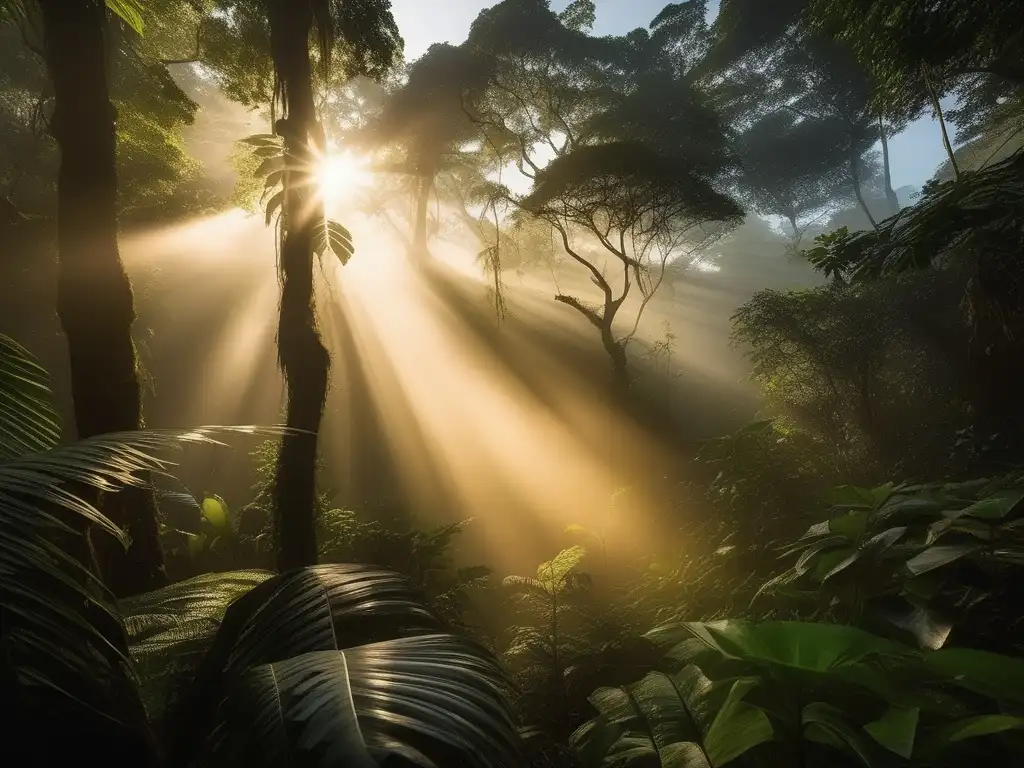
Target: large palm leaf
(342,659)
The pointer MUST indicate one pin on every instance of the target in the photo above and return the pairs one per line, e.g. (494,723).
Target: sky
(914,155)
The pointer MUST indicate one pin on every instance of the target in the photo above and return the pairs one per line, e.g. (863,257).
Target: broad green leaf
(997,506)
(298,711)
(216,512)
(851,525)
(896,730)
(990,674)
(738,726)
(871,548)
(980,725)
(852,497)
(938,556)
(833,721)
(804,646)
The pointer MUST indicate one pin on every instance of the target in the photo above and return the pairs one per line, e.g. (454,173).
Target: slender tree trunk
(942,121)
(890,193)
(619,360)
(94,295)
(424,187)
(301,353)
(855,178)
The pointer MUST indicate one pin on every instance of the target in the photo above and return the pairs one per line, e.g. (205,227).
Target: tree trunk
(620,363)
(942,122)
(301,353)
(424,186)
(94,295)
(855,178)
(890,193)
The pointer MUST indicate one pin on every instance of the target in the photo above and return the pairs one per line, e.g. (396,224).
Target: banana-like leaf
(673,719)
(795,645)
(28,421)
(294,712)
(432,699)
(333,608)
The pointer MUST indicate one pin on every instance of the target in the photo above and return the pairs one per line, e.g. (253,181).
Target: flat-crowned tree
(643,208)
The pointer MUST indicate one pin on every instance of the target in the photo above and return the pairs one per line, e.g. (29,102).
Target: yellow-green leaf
(215,512)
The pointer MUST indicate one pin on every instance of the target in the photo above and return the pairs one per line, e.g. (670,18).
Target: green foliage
(547,641)
(776,690)
(920,561)
(355,38)
(156,174)
(671,718)
(906,43)
(868,371)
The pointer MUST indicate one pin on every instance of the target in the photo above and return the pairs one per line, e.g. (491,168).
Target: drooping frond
(28,421)
(62,636)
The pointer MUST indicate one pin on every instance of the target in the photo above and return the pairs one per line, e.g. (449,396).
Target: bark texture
(94,296)
(304,360)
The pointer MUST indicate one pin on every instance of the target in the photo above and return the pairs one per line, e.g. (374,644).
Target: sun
(341,174)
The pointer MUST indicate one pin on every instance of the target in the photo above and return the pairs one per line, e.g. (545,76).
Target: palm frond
(413,696)
(28,421)
(431,699)
(62,633)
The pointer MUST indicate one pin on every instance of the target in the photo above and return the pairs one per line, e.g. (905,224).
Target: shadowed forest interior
(548,383)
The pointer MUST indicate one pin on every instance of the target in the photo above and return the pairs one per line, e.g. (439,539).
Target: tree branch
(571,301)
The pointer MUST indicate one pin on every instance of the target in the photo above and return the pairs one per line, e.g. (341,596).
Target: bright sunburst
(342,173)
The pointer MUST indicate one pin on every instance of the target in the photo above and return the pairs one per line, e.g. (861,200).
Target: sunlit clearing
(342,174)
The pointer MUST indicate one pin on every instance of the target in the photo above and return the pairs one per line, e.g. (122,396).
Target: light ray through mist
(501,423)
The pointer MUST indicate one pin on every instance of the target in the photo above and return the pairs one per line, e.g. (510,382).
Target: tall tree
(94,296)
(301,353)
(366,29)
(423,127)
(793,168)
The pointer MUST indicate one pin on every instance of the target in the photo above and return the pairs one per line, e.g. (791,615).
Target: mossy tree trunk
(94,296)
(301,353)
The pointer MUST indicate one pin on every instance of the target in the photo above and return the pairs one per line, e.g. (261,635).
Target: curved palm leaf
(28,421)
(431,699)
(63,642)
(321,636)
